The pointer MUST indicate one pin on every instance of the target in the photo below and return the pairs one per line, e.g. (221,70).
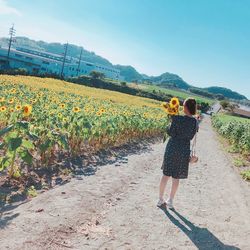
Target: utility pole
(12,33)
(79,63)
(64,57)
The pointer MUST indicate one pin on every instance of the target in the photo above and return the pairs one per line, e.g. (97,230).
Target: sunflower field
(237,131)
(42,119)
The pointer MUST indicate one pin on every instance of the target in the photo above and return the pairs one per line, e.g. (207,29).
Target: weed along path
(115,208)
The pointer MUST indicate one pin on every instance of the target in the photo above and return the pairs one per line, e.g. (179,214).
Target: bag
(193,157)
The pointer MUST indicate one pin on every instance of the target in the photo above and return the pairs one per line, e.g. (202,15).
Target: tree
(201,92)
(224,104)
(219,96)
(228,105)
(97,75)
(123,84)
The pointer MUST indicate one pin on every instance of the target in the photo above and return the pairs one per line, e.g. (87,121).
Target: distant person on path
(177,154)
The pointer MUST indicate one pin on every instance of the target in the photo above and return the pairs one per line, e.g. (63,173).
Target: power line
(64,57)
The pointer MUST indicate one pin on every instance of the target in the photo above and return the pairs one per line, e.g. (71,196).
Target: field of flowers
(237,131)
(41,119)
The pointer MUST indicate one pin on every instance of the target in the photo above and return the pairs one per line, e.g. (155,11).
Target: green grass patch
(233,149)
(225,118)
(177,93)
(245,175)
(240,162)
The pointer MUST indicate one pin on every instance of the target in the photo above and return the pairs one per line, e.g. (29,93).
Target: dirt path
(115,208)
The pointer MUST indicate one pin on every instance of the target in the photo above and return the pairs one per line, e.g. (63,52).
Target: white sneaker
(160,203)
(169,203)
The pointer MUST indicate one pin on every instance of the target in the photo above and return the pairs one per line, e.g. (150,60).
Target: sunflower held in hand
(172,108)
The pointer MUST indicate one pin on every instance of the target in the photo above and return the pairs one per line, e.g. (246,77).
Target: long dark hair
(191,105)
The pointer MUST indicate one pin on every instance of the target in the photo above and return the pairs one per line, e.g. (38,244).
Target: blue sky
(206,42)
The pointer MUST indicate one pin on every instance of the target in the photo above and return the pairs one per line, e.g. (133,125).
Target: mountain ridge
(128,72)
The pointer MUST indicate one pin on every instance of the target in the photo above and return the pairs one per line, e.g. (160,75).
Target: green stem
(12,164)
(14,157)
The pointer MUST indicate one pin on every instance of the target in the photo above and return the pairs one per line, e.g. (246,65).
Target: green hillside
(226,92)
(178,93)
(129,73)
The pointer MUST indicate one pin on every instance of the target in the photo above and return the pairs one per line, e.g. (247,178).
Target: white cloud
(5,9)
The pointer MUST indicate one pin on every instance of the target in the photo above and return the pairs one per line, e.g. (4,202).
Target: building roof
(56,58)
(29,55)
(242,112)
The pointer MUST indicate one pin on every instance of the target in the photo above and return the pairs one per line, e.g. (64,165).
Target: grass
(246,175)
(178,93)
(239,162)
(232,149)
(225,118)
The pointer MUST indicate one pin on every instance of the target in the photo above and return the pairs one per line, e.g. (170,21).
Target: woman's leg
(163,183)
(175,184)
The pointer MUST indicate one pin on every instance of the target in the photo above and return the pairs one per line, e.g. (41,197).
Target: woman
(177,154)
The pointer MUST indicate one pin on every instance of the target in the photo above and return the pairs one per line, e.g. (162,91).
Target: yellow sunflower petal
(174,102)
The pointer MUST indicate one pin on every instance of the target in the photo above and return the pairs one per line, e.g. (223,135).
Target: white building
(44,62)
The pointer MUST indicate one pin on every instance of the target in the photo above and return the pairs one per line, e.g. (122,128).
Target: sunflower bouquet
(172,107)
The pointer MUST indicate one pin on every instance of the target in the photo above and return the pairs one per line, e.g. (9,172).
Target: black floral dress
(176,158)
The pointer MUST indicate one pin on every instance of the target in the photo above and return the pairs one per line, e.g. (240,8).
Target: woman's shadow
(201,237)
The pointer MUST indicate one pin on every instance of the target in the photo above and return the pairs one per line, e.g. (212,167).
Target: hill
(226,93)
(56,48)
(170,80)
(129,73)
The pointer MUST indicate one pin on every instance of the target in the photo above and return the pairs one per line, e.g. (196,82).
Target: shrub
(123,84)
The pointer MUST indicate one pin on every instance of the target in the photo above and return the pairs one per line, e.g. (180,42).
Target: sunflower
(98,113)
(27,110)
(13,91)
(165,105)
(86,110)
(62,105)
(60,115)
(2,99)
(3,109)
(18,107)
(12,110)
(102,110)
(11,101)
(174,102)
(171,110)
(76,109)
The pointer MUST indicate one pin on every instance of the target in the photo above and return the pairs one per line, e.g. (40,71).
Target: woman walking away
(177,154)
